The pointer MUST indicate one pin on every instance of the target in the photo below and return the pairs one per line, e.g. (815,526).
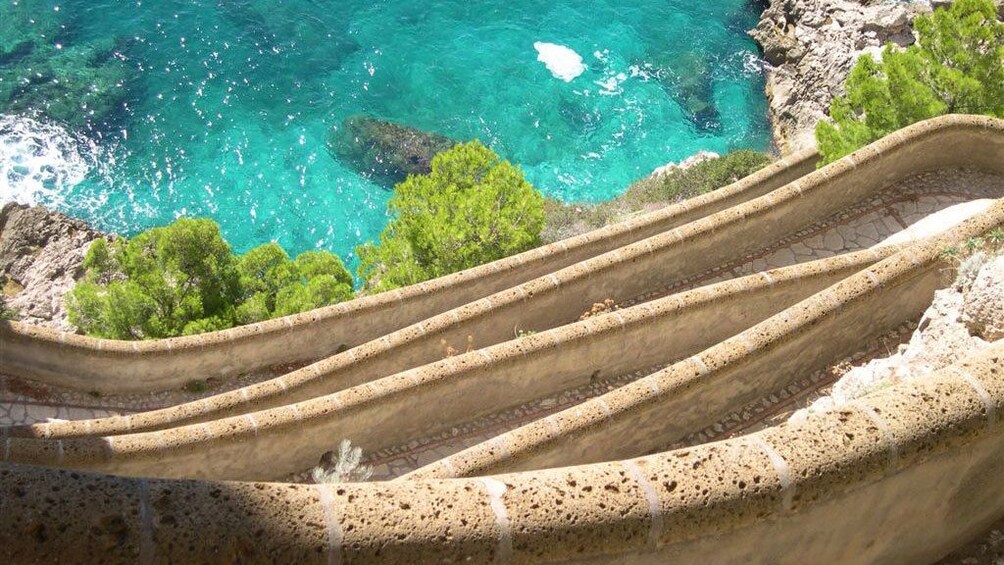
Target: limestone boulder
(983,307)
(811,47)
(41,258)
(385,151)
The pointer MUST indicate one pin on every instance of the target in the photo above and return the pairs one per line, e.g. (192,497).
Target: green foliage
(275,286)
(957,66)
(969,257)
(183,279)
(567,220)
(950,253)
(196,386)
(473,208)
(974,244)
(6,313)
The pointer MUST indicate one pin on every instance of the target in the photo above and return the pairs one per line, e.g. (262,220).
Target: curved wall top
(169,363)
(144,366)
(904,474)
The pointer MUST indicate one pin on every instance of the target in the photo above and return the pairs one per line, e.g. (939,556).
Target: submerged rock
(41,258)
(26,24)
(385,151)
(43,72)
(688,79)
(321,38)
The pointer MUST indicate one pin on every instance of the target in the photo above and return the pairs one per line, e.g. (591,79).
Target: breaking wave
(40,161)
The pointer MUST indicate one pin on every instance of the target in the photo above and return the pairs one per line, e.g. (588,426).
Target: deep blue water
(222,108)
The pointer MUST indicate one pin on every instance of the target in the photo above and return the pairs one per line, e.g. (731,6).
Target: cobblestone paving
(398,460)
(859,227)
(778,406)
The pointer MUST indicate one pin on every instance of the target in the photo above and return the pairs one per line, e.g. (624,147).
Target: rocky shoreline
(41,258)
(811,46)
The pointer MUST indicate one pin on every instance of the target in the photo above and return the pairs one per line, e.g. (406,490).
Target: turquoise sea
(131,113)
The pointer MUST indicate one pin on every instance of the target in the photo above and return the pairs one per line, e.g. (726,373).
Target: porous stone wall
(89,364)
(905,474)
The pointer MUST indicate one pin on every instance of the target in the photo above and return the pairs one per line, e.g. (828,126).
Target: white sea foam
(611,85)
(39,161)
(563,62)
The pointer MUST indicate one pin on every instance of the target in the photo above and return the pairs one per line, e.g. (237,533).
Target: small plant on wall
(6,313)
(343,466)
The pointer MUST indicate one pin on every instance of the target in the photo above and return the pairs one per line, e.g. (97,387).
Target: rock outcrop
(962,320)
(983,306)
(812,45)
(41,257)
(696,158)
(384,151)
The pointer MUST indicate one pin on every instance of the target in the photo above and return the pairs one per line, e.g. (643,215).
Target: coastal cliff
(41,258)
(811,46)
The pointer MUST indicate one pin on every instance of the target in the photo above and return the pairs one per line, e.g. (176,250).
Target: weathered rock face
(961,321)
(695,159)
(385,151)
(812,46)
(41,257)
(983,307)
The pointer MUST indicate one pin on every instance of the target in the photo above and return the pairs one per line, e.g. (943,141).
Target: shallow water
(227,105)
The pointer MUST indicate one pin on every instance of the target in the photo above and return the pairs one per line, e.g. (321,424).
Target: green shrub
(957,66)
(272,285)
(183,279)
(473,208)
(566,220)
(703,177)
(6,312)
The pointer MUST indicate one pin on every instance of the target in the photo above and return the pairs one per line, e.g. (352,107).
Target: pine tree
(957,66)
(473,208)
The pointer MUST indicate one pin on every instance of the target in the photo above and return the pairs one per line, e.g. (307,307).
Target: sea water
(226,106)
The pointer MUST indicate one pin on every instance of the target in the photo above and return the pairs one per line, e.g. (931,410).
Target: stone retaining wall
(90,364)
(904,474)
(664,407)
(272,443)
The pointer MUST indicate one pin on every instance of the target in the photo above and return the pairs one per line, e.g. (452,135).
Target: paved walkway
(860,227)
